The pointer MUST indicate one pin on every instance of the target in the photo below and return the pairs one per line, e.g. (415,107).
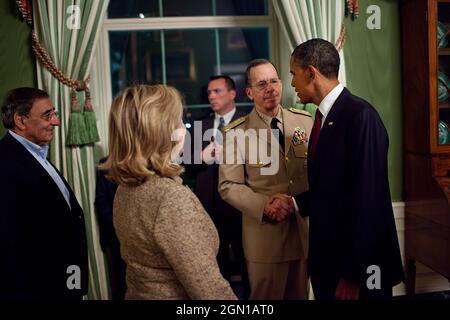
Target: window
(182,43)
(175,8)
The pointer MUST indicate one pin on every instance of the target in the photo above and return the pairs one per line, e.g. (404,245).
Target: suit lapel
(38,170)
(72,198)
(237,115)
(208,123)
(326,136)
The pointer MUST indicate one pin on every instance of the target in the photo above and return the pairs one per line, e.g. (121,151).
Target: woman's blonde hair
(141,123)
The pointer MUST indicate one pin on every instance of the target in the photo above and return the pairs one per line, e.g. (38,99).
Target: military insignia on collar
(299,136)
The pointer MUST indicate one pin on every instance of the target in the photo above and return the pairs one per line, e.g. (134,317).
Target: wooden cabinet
(425,28)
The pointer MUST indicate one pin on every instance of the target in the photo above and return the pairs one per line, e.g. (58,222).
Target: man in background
(221,95)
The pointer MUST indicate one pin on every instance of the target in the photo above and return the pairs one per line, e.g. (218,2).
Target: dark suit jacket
(40,236)
(208,180)
(105,191)
(351,218)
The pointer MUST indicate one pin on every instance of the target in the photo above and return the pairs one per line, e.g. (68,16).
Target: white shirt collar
(329,100)
(227,116)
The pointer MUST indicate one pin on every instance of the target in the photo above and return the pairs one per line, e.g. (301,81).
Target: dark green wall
(17,63)
(373,68)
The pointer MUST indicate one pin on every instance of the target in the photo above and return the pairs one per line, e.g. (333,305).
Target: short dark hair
(320,54)
(19,100)
(229,82)
(254,63)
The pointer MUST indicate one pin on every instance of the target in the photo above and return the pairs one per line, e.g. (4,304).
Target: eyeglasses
(262,85)
(47,115)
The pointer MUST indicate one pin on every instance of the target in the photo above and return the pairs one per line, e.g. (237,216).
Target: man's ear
(248,92)
(233,94)
(18,121)
(313,72)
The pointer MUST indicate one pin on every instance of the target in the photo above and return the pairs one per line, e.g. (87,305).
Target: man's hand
(212,152)
(347,291)
(279,207)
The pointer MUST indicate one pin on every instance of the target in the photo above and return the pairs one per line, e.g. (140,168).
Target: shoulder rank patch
(298,111)
(234,124)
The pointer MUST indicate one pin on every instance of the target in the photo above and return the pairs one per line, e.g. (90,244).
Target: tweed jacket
(168,242)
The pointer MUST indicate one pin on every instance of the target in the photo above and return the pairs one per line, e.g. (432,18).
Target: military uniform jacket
(242,184)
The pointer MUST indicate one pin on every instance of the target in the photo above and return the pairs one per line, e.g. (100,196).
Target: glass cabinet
(425,42)
(443,71)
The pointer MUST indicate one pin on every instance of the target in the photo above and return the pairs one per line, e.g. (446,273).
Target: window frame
(101,64)
(172,23)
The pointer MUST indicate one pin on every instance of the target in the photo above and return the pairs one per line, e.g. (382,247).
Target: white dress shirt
(324,108)
(226,117)
(329,100)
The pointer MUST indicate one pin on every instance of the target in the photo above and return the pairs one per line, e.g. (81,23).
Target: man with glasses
(274,238)
(42,235)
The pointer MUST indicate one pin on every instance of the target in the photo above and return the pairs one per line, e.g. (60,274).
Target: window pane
(238,46)
(190,61)
(176,8)
(135,58)
(186,8)
(241,7)
(133,9)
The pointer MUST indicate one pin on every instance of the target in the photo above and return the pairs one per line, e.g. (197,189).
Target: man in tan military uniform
(275,239)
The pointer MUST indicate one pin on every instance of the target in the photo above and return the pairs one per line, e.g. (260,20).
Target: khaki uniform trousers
(278,281)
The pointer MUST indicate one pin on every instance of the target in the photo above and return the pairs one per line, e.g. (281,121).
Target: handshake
(278,208)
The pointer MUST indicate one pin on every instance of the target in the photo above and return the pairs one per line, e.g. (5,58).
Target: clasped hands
(279,207)
(211,153)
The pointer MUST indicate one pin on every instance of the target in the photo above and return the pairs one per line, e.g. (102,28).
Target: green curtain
(72,50)
(373,63)
(302,20)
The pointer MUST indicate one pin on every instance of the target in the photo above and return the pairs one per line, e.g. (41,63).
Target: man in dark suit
(354,250)
(228,221)
(42,233)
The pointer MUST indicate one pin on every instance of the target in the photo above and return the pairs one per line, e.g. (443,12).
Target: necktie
(315,132)
(218,138)
(274,126)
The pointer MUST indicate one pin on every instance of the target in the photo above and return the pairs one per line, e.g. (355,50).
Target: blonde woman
(167,240)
